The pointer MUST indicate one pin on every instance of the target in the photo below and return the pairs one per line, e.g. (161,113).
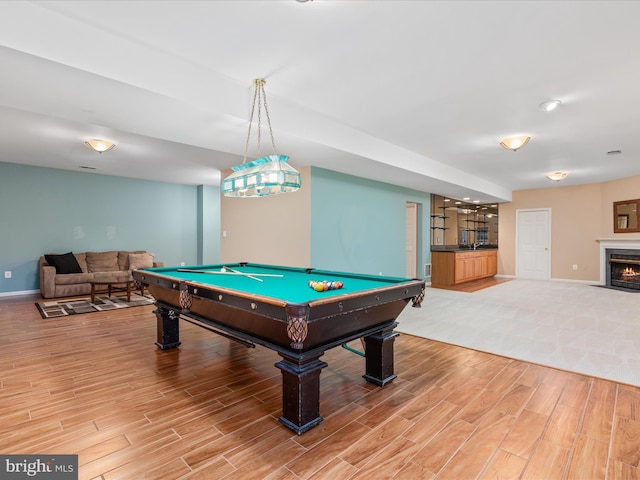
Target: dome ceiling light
(99,145)
(557,176)
(515,143)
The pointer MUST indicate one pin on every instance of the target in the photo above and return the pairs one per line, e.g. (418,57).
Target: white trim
(605,243)
(570,280)
(15,294)
(548,210)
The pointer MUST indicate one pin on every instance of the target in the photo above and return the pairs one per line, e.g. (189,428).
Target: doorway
(533,244)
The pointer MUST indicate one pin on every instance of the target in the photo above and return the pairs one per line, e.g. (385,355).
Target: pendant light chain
(266,111)
(259,98)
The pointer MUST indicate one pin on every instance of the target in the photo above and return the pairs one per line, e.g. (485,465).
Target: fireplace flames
(629,274)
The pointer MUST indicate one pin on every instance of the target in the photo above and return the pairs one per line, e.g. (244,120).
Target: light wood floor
(95,385)
(475,285)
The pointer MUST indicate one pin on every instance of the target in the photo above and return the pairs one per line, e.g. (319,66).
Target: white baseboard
(567,280)
(16,294)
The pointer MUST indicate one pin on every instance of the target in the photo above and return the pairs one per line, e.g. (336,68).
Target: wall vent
(427,269)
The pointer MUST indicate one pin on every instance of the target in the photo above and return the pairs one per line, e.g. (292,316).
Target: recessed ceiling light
(549,105)
(476,201)
(466,198)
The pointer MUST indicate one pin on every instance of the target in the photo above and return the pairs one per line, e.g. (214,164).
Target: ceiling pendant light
(99,145)
(557,176)
(515,143)
(267,175)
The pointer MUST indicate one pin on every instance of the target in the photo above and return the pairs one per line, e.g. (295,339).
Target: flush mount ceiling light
(557,176)
(515,143)
(99,145)
(549,105)
(267,175)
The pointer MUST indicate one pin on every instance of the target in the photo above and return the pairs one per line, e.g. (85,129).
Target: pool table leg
(301,391)
(168,332)
(379,356)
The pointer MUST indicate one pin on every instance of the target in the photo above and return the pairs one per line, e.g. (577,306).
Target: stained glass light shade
(259,178)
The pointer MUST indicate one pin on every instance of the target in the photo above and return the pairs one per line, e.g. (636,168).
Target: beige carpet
(581,328)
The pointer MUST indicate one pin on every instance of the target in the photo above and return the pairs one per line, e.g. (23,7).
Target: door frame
(517,237)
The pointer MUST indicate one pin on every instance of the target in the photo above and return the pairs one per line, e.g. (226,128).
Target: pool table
(274,306)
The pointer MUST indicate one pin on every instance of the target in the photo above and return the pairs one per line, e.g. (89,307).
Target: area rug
(74,306)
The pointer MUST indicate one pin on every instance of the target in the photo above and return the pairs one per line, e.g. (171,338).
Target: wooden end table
(112,286)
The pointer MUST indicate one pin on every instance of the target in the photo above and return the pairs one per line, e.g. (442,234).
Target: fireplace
(619,246)
(623,269)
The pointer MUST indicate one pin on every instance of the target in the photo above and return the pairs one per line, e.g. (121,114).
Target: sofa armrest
(158,264)
(47,281)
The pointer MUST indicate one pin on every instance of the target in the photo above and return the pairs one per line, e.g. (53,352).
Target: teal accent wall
(359,225)
(44,210)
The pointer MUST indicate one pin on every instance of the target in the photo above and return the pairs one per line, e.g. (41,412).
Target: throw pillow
(123,258)
(66,263)
(140,260)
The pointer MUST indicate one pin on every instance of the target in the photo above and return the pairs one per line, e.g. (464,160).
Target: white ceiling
(414,93)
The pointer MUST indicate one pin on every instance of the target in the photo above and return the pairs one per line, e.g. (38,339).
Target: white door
(412,240)
(533,244)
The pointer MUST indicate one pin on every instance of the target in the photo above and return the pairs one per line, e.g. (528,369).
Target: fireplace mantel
(618,240)
(605,243)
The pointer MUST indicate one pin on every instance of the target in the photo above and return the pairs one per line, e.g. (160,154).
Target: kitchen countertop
(455,248)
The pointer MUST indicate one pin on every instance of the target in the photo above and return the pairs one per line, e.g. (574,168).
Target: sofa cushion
(102,261)
(65,263)
(73,278)
(123,258)
(140,260)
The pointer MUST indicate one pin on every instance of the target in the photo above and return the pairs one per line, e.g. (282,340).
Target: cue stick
(228,273)
(245,274)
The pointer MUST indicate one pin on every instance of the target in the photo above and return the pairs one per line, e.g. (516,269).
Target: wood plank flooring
(475,285)
(95,385)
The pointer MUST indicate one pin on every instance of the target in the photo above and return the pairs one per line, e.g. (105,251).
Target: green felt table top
(292,286)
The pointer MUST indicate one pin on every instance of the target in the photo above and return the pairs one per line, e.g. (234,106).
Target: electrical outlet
(182,264)
(7,274)
(575,267)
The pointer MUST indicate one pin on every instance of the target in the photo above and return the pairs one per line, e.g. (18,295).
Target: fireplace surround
(623,269)
(620,264)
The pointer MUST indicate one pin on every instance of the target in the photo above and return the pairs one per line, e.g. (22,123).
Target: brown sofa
(69,274)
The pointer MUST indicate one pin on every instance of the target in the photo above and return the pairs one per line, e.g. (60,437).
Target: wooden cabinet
(454,267)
